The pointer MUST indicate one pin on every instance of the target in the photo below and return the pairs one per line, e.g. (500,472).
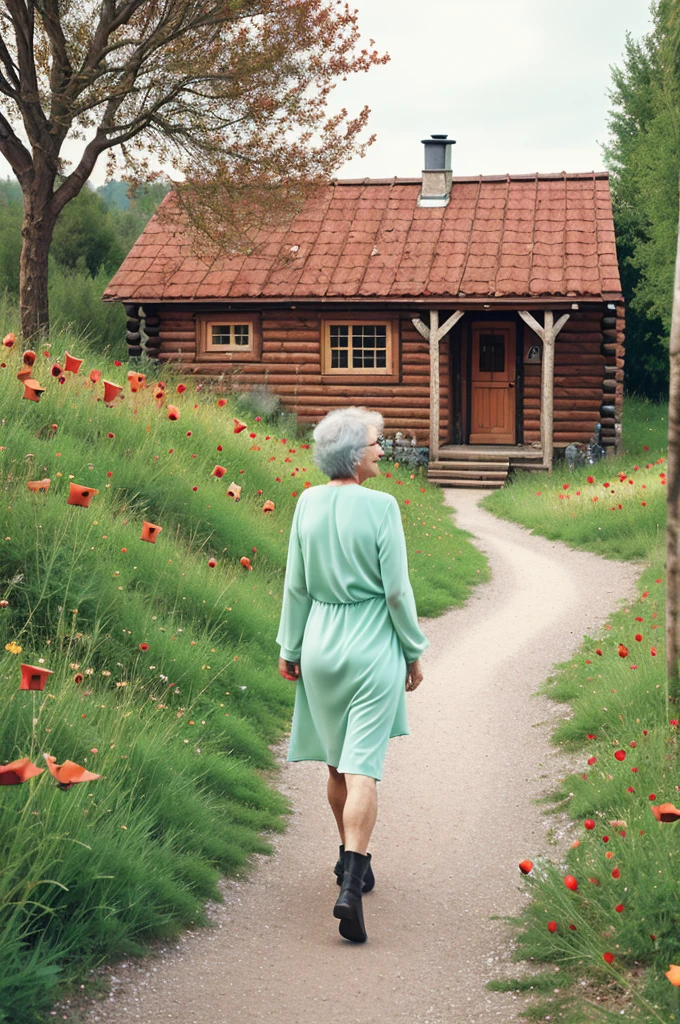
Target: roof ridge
(467,178)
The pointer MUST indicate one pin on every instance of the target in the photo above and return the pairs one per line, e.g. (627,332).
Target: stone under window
(357,348)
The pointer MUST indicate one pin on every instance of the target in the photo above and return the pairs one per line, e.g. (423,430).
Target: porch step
(469,473)
(459,454)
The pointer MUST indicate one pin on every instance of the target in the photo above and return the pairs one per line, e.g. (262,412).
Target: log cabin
(482,316)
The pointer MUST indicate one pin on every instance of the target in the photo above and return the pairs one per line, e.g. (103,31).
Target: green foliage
(644,160)
(619,701)
(181,733)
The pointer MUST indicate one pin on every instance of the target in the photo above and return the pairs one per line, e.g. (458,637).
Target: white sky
(520,84)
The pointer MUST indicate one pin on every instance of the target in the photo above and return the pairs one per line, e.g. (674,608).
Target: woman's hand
(414,675)
(289,669)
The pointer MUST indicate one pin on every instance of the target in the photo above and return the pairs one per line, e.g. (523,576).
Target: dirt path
(456,816)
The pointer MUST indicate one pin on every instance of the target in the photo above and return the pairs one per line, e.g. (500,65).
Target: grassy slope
(180,733)
(619,703)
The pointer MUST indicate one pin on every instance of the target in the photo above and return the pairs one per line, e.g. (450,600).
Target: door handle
(511,384)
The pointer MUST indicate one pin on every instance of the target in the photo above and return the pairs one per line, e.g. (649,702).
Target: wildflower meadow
(144,535)
(605,916)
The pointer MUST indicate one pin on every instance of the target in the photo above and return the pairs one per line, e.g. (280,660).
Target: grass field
(624,860)
(164,679)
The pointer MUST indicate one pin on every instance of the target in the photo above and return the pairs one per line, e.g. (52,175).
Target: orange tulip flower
(80,495)
(32,390)
(29,357)
(68,773)
(16,772)
(245,562)
(39,485)
(234,491)
(673,974)
(239,425)
(34,677)
(111,391)
(150,531)
(173,412)
(665,812)
(95,376)
(268,506)
(219,472)
(72,364)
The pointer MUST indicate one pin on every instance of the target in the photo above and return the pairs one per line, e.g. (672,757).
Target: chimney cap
(440,138)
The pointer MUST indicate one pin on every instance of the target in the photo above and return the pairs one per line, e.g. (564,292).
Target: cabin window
(232,335)
(354,347)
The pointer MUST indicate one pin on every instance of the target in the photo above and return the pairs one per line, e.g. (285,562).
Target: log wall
(588,386)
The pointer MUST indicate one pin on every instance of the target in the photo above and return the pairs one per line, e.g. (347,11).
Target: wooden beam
(434,333)
(547,333)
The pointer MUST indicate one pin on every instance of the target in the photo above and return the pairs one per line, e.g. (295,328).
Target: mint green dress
(349,618)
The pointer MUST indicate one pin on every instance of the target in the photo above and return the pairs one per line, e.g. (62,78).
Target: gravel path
(455,818)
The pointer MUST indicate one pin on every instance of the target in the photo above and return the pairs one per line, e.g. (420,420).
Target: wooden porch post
(547,334)
(434,333)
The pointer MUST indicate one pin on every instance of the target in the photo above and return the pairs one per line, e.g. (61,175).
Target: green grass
(179,733)
(619,703)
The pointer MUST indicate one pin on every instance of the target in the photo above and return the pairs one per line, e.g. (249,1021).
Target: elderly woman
(349,635)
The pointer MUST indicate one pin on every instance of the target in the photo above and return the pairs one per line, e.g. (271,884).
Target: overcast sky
(520,84)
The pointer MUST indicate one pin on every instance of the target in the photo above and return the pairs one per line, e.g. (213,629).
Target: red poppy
(571,882)
(623,651)
(181,388)
(666,812)
(638,637)
(16,772)
(620,755)
(29,357)
(616,873)
(245,562)
(221,402)
(589,823)
(56,370)
(34,677)
(9,339)
(144,647)
(608,957)
(525,866)
(173,412)
(219,471)
(212,562)
(592,760)
(591,479)
(239,425)
(69,773)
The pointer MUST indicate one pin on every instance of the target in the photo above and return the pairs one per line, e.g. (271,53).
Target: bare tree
(232,94)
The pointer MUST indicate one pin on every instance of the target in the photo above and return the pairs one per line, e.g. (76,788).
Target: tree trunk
(36,232)
(673,495)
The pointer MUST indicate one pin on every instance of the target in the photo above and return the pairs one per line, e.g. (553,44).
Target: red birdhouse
(111,391)
(219,472)
(33,390)
(69,773)
(234,491)
(72,364)
(34,677)
(39,486)
(29,357)
(16,772)
(173,412)
(268,506)
(80,495)
(150,531)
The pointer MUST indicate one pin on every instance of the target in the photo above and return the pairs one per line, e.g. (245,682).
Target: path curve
(455,818)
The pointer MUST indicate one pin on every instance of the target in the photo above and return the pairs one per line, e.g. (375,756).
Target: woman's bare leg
(360,812)
(337,795)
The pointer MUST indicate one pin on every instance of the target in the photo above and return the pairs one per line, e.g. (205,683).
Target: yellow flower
(13,648)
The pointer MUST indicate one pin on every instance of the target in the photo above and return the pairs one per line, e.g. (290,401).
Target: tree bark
(673,495)
(37,230)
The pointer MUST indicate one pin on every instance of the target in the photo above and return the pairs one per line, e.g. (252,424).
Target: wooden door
(492,375)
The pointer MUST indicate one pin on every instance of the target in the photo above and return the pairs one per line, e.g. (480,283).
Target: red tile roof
(519,235)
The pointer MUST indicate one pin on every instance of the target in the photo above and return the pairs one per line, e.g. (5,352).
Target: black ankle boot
(348,906)
(369,878)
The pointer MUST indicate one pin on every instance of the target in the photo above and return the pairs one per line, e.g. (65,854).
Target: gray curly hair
(341,438)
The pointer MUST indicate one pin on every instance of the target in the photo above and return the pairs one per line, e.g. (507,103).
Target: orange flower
(666,812)
(623,651)
(68,773)
(245,562)
(673,973)
(268,506)
(9,339)
(525,866)
(173,412)
(219,472)
(16,772)
(29,357)
(95,376)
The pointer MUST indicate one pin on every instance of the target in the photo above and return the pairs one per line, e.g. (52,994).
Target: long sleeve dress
(349,617)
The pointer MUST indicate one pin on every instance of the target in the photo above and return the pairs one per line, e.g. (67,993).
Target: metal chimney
(436,187)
